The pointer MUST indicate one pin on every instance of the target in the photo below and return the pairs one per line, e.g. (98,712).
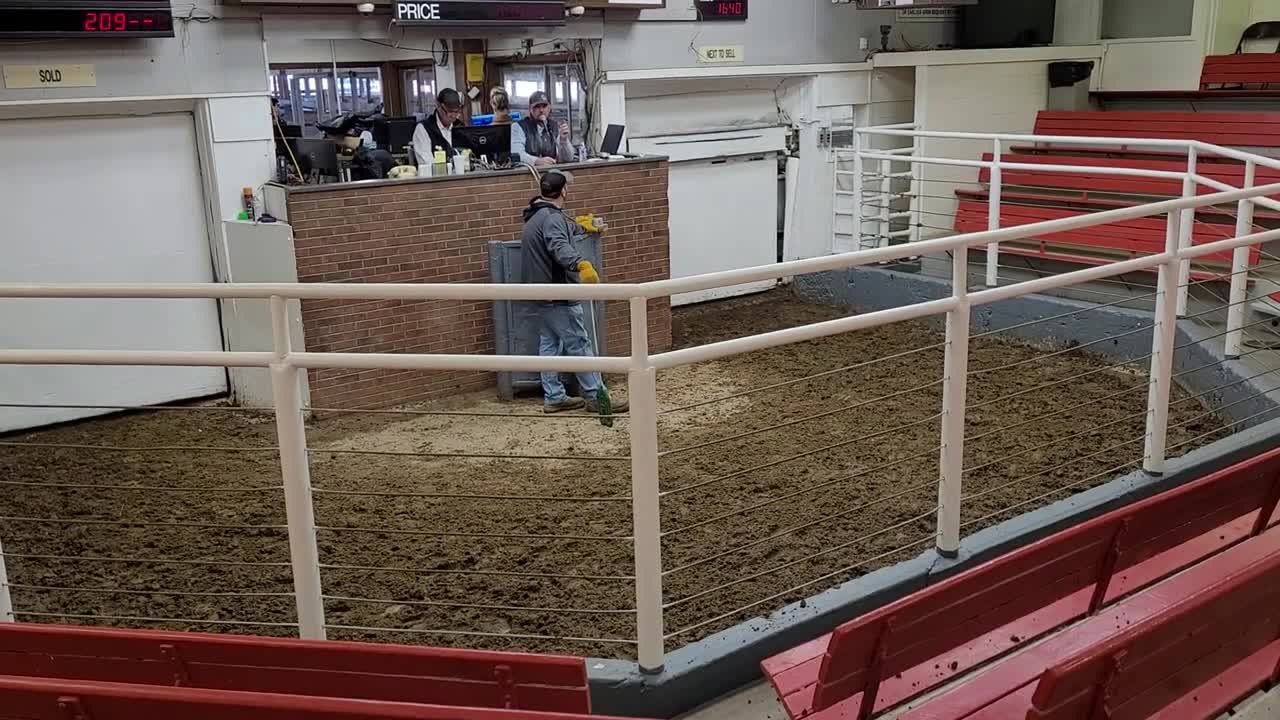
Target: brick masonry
(438,231)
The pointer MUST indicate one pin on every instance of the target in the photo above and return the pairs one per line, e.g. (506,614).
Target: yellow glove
(588,273)
(591,223)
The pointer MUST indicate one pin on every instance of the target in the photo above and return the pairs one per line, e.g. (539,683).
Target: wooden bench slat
(296,667)
(1145,666)
(51,699)
(1240,69)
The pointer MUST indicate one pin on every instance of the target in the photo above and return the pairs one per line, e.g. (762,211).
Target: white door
(102,199)
(724,216)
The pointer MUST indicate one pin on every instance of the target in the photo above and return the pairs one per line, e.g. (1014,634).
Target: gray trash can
(1069,85)
(514,327)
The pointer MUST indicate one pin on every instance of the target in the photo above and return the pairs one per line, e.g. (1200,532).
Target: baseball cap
(554,182)
(539,98)
(449,99)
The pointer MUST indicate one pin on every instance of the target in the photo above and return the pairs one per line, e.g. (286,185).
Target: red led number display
(118,22)
(722,9)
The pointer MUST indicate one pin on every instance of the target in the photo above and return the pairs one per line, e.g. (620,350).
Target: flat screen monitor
(400,133)
(488,141)
(320,156)
(1007,23)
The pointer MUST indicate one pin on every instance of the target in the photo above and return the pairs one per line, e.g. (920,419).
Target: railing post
(858,188)
(955,382)
(642,384)
(917,191)
(292,436)
(886,202)
(1162,348)
(1185,228)
(993,215)
(6,600)
(1240,270)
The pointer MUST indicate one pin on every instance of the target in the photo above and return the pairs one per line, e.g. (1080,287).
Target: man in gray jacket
(548,256)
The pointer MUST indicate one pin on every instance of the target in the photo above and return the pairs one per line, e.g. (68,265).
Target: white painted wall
(778,32)
(998,97)
(1228,22)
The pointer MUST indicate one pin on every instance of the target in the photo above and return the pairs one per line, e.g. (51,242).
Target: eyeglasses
(451,111)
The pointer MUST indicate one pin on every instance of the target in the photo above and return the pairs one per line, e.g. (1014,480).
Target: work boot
(563,406)
(619,406)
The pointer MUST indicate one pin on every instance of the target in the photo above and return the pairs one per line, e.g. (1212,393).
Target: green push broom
(603,399)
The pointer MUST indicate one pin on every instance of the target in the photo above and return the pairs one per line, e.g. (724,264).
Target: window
(1126,19)
(310,95)
(562,83)
(418,88)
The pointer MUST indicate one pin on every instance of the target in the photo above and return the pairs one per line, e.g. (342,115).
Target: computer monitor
(612,140)
(320,156)
(400,131)
(492,142)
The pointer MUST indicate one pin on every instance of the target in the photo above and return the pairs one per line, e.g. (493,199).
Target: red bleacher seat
(434,676)
(1097,245)
(27,698)
(1187,649)
(1245,70)
(1232,129)
(1086,183)
(903,649)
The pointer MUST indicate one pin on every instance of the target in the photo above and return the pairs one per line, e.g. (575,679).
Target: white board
(103,199)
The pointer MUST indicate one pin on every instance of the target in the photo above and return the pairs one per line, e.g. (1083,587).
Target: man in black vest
(437,130)
(537,139)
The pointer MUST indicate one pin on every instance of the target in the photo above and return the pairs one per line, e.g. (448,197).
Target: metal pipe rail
(288,366)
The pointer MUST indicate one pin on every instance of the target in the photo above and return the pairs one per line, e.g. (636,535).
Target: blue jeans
(562,332)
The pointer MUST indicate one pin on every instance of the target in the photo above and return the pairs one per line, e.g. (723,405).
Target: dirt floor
(814,483)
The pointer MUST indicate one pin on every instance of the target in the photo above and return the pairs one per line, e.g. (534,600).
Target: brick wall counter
(438,230)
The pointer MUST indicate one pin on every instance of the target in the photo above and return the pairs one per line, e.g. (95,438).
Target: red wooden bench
(1222,72)
(1084,184)
(901,650)
(1244,75)
(435,676)
(1097,245)
(26,698)
(1232,129)
(1186,649)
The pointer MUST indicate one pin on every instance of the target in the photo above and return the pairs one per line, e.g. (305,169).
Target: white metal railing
(287,365)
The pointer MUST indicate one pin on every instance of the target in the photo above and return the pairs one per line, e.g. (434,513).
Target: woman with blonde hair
(501,104)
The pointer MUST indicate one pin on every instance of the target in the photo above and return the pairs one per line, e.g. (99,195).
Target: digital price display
(480,12)
(722,9)
(98,18)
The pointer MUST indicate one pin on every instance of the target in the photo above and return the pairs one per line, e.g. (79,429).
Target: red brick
(399,234)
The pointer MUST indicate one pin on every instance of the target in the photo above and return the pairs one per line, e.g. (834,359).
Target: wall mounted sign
(721,9)
(722,54)
(28,77)
(480,12)
(929,14)
(90,19)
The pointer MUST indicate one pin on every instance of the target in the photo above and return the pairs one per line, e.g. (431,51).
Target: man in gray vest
(537,139)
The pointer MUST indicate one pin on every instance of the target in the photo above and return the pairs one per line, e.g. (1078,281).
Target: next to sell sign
(722,54)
